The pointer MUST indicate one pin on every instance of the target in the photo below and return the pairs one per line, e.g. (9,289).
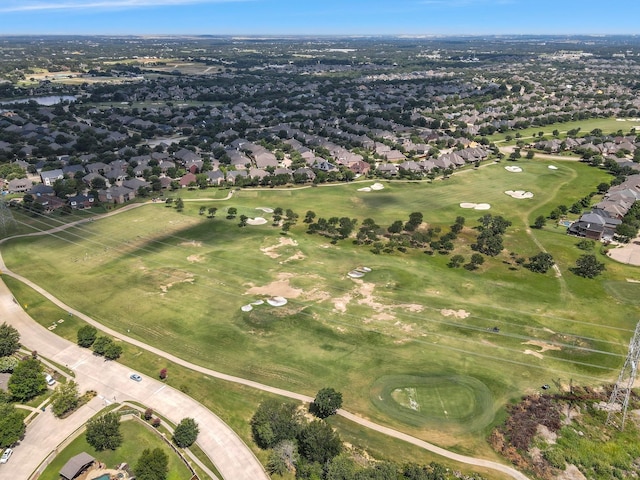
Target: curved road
(110,380)
(35,333)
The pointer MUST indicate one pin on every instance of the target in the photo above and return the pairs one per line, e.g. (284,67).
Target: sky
(319,17)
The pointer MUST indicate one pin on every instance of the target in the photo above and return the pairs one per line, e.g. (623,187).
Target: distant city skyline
(312,17)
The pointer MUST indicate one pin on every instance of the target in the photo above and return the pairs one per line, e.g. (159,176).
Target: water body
(45,101)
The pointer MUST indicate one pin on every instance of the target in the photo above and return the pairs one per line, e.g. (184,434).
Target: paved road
(231,456)
(118,380)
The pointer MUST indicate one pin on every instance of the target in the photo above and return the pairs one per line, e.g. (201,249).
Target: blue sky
(328,17)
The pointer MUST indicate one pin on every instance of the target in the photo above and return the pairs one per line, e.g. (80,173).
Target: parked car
(136,377)
(6,455)
(50,380)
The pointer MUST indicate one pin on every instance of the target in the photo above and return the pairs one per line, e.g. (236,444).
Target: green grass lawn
(607,125)
(178,280)
(136,438)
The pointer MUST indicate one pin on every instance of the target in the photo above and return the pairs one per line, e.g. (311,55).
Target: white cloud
(50,5)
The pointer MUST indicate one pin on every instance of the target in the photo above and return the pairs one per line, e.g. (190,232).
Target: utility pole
(619,400)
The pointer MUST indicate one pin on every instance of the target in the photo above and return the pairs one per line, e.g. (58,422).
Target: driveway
(228,452)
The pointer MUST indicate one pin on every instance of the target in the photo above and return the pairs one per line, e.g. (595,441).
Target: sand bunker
(520,194)
(277,301)
(355,274)
(265,209)
(454,313)
(482,206)
(256,221)
(468,205)
(374,187)
(513,169)
(552,167)
(246,308)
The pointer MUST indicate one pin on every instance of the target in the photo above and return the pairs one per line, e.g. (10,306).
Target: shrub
(148,413)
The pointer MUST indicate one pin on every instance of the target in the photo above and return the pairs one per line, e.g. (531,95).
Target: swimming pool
(106,476)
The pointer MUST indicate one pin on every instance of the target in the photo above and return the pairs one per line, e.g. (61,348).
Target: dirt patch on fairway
(454,313)
(282,242)
(192,243)
(535,354)
(277,288)
(195,258)
(165,288)
(543,346)
(362,294)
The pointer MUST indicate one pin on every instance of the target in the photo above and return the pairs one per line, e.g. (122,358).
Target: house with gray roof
(50,176)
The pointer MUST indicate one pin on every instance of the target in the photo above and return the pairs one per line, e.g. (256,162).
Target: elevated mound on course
(454,401)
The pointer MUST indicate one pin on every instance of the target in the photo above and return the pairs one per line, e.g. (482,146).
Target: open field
(607,125)
(178,280)
(136,437)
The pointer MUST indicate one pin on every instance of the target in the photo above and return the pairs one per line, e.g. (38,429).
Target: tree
(186,433)
(152,465)
(87,335)
(9,340)
(179,204)
(310,215)
(540,263)
(212,211)
(273,422)
(104,432)
(326,403)
(588,266)
(318,442)
(455,261)
(101,344)
(12,426)
(8,364)
(65,398)
(27,380)
(243,221)
(113,351)
(231,213)
(396,227)
(539,222)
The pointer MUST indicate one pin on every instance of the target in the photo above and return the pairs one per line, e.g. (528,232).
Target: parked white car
(50,380)
(6,455)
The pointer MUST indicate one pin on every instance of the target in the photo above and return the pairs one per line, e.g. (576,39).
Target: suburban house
(50,176)
(81,202)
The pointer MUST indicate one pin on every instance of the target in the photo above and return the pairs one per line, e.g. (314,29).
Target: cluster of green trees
(489,240)
(12,426)
(314,451)
(630,225)
(295,443)
(87,336)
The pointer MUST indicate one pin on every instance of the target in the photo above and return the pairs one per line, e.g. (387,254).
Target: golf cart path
(6,300)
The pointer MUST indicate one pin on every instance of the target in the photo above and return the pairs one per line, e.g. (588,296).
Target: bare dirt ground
(454,313)
(271,251)
(543,348)
(278,288)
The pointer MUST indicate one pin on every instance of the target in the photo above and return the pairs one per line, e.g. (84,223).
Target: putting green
(442,400)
